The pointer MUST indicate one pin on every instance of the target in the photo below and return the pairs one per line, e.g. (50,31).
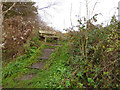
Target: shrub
(15,34)
(95,55)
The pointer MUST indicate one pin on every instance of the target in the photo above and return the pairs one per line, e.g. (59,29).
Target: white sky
(59,16)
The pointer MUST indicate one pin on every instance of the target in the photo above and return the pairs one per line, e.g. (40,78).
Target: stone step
(46,53)
(53,45)
(38,65)
(27,77)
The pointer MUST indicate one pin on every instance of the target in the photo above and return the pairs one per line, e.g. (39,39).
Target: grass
(45,77)
(78,63)
(14,71)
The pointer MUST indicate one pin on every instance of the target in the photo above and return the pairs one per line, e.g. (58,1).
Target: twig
(9,8)
(106,67)
(94,7)
(70,14)
(47,6)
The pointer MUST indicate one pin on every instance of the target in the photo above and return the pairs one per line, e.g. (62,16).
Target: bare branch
(50,5)
(106,67)
(9,8)
(87,13)
(94,7)
(70,14)
(1,6)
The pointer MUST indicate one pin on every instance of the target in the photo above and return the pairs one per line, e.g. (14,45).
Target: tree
(19,18)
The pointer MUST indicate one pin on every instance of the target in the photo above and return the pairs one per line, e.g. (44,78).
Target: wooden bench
(48,34)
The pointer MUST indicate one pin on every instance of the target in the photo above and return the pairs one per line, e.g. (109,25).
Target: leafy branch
(106,67)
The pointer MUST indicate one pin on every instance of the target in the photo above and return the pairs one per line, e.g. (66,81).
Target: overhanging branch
(47,6)
(9,9)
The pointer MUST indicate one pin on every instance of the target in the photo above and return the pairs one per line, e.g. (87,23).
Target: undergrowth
(88,58)
(18,67)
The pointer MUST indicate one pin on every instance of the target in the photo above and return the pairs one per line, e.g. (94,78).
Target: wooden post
(45,39)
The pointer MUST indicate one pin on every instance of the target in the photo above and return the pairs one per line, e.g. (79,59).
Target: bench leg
(45,39)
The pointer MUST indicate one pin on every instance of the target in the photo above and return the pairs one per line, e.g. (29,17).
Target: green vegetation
(18,67)
(91,59)
(13,71)
(88,58)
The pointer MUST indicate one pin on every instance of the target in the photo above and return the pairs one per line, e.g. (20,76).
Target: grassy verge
(15,70)
(50,75)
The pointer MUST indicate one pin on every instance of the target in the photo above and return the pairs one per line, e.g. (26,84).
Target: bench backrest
(47,32)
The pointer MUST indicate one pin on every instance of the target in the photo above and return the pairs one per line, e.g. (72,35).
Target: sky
(64,12)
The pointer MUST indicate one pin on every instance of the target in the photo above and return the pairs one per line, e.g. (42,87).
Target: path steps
(45,56)
(46,53)
(53,45)
(40,64)
(27,77)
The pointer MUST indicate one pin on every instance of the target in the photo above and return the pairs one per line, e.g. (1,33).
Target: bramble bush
(89,58)
(95,55)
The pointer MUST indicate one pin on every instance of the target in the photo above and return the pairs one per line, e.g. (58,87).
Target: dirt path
(46,53)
